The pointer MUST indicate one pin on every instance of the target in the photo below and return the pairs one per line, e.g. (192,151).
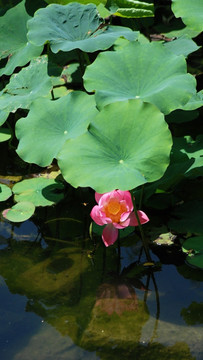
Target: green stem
(141,196)
(52,94)
(86,58)
(81,61)
(11,138)
(154,334)
(145,245)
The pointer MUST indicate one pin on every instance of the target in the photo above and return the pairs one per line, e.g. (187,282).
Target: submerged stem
(119,254)
(145,245)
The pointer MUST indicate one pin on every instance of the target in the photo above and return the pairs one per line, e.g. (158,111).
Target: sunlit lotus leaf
(103,11)
(130,8)
(74,26)
(165,239)
(19,212)
(65,2)
(5,134)
(182,46)
(13,39)
(191,12)
(5,192)
(128,144)
(50,123)
(39,191)
(30,83)
(136,72)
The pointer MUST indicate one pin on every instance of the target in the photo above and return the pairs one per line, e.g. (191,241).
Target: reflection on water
(60,302)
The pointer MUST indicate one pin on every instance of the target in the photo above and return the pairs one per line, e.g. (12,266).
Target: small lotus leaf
(165,239)
(195,102)
(65,118)
(30,83)
(128,144)
(176,30)
(182,46)
(19,212)
(3,115)
(39,191)
(196,260)
(5,192)
(65,2)
(74,26)
(135,71)
(130,8)
(193,149)
(191,13)
(5,134)
(193,244)
(13,39)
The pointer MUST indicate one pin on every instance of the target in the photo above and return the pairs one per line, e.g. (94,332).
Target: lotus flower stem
(145,245)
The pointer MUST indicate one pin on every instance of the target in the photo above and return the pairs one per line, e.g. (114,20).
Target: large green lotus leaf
(50,123)
(130,8)
(5,192)
(30,83)
(128,144)
(19,212)
(136,72)
(39,191)
(74,26)
(191,12)
(5,134)
(13,39)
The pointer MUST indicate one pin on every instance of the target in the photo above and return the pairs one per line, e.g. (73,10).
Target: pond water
(62,298)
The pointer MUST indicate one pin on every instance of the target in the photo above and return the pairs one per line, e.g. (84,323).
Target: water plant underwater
(84,88)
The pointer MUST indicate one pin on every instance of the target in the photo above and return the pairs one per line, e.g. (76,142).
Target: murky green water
(59,302)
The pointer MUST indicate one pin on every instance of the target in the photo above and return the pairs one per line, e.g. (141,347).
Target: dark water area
(63,298)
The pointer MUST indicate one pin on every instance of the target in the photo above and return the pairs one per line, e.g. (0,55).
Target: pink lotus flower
(115,210)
